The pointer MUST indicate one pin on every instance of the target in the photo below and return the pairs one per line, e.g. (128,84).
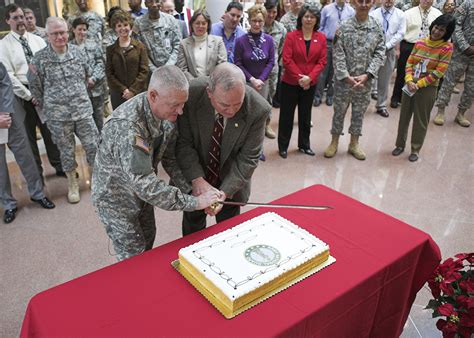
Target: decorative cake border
(223,310)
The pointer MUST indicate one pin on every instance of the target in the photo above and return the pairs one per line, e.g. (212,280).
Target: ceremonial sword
(296,206)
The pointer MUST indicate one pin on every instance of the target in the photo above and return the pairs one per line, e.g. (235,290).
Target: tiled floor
(43,248)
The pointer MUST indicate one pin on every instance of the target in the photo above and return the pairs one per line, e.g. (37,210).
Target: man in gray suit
(18,143)
(225,97)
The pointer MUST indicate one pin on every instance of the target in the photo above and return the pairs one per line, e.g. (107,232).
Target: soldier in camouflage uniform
(58,76)
(161,35)
(95,58)
(289,19)
(278,33)
(95,21)
(461,62)
(30,21)
(358,54)
(125,185)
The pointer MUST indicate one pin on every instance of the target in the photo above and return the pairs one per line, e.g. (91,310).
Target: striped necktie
(26,49)
(213,163)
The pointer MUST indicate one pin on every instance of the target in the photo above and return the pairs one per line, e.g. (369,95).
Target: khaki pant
(419,106)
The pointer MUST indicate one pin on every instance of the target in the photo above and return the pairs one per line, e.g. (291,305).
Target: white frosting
(221,257)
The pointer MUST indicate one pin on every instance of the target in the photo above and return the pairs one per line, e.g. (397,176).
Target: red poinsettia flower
(465,302)
(448,328)
(468,256)
(444,275)
(467,319)
(467,285)
(447,310)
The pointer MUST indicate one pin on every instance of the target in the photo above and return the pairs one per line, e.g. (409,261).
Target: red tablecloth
(381,264)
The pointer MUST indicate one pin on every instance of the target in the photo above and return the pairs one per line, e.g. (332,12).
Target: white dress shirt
(13,57)
(414,22)
(396,24)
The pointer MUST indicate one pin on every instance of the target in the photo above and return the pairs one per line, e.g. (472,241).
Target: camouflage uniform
(161,38)
(95,59)
(41,32)
(59,84)
(403,4)
(314,3)
(125,185)
(289,21)
(460,63)
(109,39)
(96,24)
(359,49)
(278,33)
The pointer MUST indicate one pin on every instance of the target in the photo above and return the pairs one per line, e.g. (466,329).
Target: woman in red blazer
(304,58)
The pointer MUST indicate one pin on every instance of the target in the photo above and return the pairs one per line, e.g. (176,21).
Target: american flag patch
(141,144)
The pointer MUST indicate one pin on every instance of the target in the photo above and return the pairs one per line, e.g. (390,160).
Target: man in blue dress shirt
(229,28)
(393,23)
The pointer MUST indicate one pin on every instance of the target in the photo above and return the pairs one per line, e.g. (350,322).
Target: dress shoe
(413,157)
(276,104)
(44,202)
(382,112)
(9,215)
(307,151)
(394,104)
(397,151)
(316,102)
(329,101)
(262,157)
(60,173)
(374,96)
(283,153)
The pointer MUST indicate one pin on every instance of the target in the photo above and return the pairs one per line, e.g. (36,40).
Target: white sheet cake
(242,263)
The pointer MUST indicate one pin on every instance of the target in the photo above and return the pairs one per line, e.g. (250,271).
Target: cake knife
(296,206)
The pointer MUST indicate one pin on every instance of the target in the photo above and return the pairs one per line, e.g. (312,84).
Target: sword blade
(296,206)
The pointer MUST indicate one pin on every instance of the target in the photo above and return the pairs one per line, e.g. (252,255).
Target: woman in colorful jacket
(426,65)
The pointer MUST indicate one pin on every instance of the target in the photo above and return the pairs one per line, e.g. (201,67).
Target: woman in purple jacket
(255,53)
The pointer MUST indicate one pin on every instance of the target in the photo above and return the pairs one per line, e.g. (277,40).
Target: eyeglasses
(57,34)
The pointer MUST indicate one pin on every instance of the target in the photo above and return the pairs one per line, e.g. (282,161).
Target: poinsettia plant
(452,286)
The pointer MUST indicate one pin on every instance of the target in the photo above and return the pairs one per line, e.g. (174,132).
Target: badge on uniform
(141,144)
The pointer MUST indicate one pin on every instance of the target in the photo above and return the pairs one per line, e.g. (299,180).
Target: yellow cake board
(226,312)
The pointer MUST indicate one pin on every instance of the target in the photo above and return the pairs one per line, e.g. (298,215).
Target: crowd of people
(197,95)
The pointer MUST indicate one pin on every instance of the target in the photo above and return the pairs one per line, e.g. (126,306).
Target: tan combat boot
(331,150)
(439,118)
(354,148)
(461,120)
(73,187)
(269,131)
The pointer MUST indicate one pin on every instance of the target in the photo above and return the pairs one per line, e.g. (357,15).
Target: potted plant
(452,286)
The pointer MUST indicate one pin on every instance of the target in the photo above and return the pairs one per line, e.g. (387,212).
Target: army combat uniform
(58,82)
(96,23)
(460,63)
(124,183)
(289,21)
(278,32)
(95,59)
(359,49)
(161,38)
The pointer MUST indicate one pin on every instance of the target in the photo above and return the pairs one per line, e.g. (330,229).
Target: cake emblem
(262,255)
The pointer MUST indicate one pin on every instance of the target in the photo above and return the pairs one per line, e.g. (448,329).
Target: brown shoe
(382,112)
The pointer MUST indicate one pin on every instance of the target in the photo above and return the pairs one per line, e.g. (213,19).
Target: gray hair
(54,19)
(227,75)
(168,77)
